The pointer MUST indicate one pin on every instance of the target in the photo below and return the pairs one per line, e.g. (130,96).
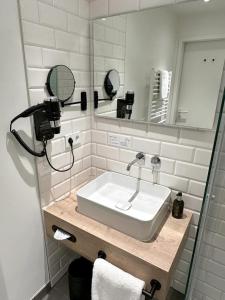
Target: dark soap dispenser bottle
(178,207)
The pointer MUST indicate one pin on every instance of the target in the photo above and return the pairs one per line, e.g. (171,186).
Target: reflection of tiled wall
(109,53)
(57,32)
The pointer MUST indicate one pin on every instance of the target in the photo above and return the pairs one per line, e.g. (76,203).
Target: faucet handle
(140,156)
(156,162)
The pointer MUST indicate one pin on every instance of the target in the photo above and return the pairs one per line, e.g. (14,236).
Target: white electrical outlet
(76,139)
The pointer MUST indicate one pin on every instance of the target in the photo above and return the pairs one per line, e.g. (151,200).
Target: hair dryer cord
(49,162)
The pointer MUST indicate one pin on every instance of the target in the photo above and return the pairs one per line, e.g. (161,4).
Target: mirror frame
(48,86)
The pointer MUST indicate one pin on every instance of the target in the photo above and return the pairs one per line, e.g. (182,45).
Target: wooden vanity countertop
(161,253)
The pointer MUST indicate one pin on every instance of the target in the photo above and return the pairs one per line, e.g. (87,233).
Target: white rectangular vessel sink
(99,200)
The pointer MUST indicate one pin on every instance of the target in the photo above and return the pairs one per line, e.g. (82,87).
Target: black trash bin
(80,276)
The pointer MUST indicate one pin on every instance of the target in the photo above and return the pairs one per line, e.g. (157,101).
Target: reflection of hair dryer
(125,106)
(46,123)
(129,100)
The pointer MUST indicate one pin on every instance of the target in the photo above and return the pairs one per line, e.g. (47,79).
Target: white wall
(22,253)
(150,43)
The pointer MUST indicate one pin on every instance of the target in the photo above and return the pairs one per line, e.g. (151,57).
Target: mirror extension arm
(96,99)
(83,102)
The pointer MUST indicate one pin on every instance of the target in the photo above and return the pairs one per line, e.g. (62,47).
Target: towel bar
(155,284)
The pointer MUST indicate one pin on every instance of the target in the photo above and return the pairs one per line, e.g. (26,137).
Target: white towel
(164,84)
(110,283)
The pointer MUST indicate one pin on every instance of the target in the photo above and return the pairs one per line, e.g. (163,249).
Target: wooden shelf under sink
(156,259)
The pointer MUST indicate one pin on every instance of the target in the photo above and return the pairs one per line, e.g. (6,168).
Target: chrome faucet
(140,158)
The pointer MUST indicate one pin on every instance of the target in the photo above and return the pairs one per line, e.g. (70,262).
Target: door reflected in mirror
(171,57)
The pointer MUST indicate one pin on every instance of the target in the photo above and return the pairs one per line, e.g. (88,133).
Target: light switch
(118,140)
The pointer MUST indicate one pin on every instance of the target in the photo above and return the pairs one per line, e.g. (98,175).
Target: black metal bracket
(102,254)
(155,284)
(72,237)
(83,102)
(96,99)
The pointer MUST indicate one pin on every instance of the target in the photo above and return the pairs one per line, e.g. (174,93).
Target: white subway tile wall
(210,277)
(184,168)
(57,32)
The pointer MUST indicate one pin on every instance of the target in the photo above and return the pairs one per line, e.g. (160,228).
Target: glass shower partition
(206,279)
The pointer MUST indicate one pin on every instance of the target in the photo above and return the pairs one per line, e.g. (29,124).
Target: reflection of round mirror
(112,83)
(61,82)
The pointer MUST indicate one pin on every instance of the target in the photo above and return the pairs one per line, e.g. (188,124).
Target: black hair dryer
(46,123)
(129,102)
(125,106)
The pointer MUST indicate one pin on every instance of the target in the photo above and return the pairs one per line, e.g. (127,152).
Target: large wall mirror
(170,58)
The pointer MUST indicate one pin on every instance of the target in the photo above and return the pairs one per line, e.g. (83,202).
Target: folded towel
(110,283)
(164,84)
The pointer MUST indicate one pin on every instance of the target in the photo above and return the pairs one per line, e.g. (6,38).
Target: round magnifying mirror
(61,82)
(112,83)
